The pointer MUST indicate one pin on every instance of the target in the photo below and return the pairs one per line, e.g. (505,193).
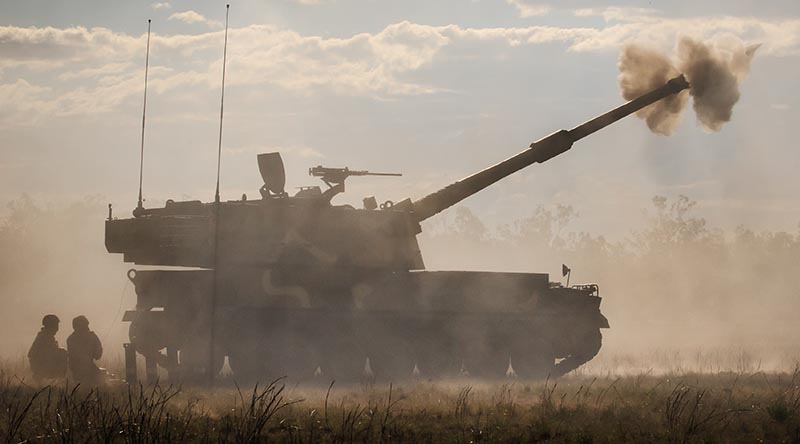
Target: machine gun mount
(334,178)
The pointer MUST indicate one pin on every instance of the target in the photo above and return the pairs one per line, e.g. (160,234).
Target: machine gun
(334,178)
(539,152)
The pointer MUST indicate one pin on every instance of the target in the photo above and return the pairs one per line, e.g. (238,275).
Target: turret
(306,232)
(539,152)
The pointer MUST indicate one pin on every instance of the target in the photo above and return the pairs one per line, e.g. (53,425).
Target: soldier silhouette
(84,348)
(47,359)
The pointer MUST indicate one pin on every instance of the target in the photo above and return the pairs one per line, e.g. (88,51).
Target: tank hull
(382,325)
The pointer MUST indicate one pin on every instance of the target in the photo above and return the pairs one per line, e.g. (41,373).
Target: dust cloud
(713,71)
(54,261)
(679,294)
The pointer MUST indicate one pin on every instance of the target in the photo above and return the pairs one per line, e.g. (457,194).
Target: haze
(432,91)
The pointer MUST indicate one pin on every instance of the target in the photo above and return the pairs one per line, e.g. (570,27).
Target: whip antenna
(222,100)
(144,112)
(213,308)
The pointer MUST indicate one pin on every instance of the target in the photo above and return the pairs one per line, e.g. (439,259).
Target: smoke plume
(714,76)
(714,73)
(643,70)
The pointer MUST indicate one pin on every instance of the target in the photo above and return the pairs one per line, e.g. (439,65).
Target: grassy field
(722,407)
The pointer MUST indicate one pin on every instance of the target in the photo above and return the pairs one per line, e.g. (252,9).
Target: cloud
(620,14)
(93,69)
(529,9)
(107,69)
(24,103)
(50,47)
(192,17)
(395,43)
(160,5)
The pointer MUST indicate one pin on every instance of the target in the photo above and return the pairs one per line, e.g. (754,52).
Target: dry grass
(686,408)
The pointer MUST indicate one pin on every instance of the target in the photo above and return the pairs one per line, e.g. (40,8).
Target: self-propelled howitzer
(293,285)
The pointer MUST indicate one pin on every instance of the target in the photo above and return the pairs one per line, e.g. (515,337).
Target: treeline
(674,281)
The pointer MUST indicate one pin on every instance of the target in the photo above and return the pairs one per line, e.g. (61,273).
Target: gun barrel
(539,152)
(673,86)
(368,173)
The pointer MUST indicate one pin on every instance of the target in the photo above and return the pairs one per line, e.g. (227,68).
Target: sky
(434,90)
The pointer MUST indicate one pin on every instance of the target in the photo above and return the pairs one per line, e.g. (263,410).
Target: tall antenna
(144,112)
(212,329)
(222,100)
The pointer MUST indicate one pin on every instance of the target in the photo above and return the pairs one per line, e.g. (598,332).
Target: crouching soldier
(47,359)
(84,348)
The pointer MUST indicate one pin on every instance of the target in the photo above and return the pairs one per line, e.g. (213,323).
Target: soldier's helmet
(80,323)
(50,321)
